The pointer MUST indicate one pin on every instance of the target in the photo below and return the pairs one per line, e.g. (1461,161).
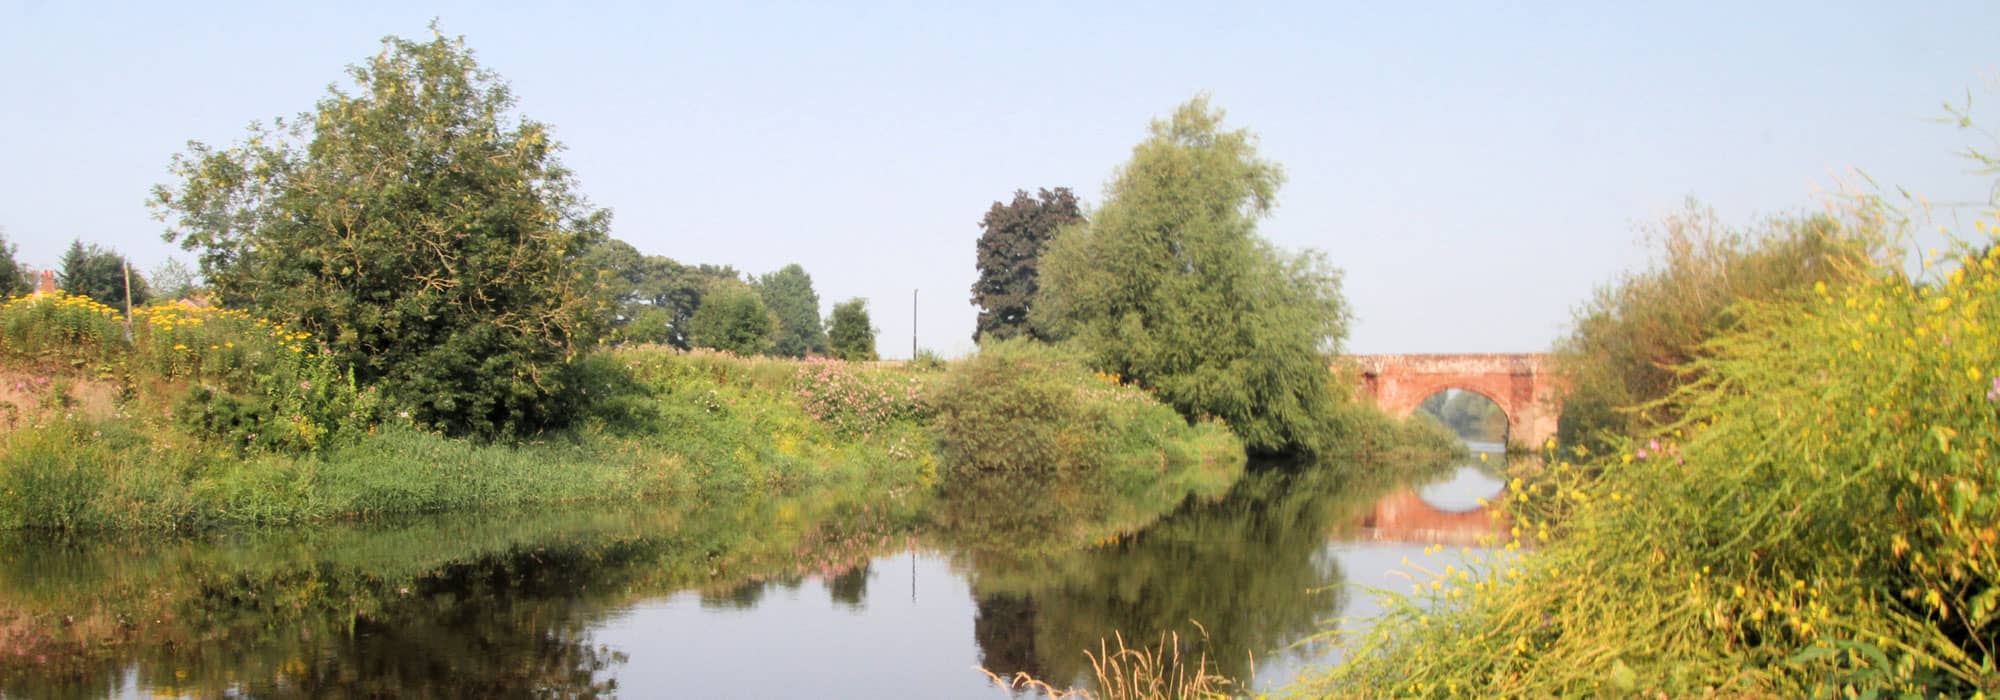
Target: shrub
(853,401)
(257,383)
(1632,341)
(927,360)
(1023,406)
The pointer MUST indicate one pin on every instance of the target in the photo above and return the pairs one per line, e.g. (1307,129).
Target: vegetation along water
(421,425)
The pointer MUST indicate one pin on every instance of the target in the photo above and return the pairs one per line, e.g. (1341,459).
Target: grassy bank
(211,418)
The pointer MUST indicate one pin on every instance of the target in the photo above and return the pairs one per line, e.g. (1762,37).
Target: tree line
(100,273)
(422,231)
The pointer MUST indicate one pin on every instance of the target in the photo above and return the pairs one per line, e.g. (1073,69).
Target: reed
(1162,671)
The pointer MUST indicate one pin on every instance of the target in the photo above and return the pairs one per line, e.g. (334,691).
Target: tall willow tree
(1170,286)
(414,225)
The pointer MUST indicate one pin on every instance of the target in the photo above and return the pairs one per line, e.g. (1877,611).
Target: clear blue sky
(1477,171)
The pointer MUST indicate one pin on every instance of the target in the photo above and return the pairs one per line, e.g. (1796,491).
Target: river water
(757,598)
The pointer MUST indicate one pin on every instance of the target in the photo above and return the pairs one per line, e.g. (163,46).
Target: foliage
(13,278)
(61,328)
(1022,406)
(733,318)
(789,294)
(427,236)
(255,384)
(173,279)
(100,274)
(1629,342)
(744,421)
(1469,414)
(927,360)
(656,424)
(51,479)
(652,297)
(859,402)
(1010,249)
(1818,521)
(1170,287)
(850,334)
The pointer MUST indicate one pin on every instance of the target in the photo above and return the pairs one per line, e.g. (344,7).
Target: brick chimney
(47,285)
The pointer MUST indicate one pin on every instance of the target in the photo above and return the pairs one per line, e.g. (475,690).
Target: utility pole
(913,325)
(128,299)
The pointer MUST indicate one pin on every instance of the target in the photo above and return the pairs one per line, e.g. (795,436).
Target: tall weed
(1820,520)
(1633,342)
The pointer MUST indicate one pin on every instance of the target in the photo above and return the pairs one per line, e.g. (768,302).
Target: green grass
(665,425)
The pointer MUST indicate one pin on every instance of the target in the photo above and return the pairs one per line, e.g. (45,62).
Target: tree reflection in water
(507,605)
(1251,568)
(483,606)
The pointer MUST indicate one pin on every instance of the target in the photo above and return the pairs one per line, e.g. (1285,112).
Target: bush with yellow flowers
(255,383)
(1823,521)
(250,382)
(62,327)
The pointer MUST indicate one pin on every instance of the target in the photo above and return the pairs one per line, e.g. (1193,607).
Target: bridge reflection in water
(1453,512)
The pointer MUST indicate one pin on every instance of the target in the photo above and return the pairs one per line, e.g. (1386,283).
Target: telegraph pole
(913,325)
(128,299)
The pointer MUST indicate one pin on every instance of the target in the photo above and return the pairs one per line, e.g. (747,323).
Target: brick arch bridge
(1520,384)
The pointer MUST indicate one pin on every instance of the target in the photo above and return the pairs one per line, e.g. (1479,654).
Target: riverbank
(722,472)
(209,418)
(667,426)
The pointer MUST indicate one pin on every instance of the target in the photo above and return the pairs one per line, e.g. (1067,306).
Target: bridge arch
(1445,391)
(1518,383)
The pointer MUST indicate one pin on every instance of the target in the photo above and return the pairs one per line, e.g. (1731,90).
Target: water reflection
(1249,568)
(450,606)
(824,596)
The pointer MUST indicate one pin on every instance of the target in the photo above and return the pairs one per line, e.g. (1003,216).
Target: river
(745,598)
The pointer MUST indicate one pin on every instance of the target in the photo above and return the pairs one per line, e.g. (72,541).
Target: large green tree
(414,224)
(850,333)
(733,318)
(1170,286)
(789,294)
(98,273)
(1010,250)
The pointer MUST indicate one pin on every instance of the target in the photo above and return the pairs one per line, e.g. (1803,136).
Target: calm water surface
(828,597)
